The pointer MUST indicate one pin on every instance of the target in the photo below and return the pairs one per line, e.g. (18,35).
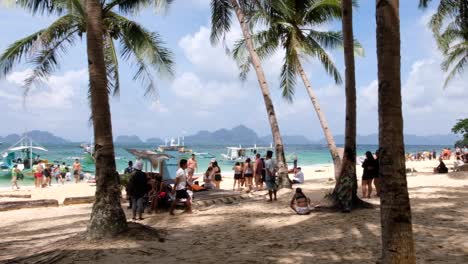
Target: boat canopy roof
(150,156)
(26,147)
(252,148)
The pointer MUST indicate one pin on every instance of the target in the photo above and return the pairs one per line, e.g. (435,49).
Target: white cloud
(159,107)
(58,92)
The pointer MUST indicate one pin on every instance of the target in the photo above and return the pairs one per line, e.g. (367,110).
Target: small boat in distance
(204,155)
(173,145)
(88,151)
(240,154)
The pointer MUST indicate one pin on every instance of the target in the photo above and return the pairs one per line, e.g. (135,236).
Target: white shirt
(269,166)
(182,177)
(299,177)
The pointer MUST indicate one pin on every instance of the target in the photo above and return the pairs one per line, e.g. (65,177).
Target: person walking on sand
(14,177)
(192,166)
(77,170)
(38,170)
(270,176)
(138,187)
(247,173)
(180,188)
(237,176)
(370,169)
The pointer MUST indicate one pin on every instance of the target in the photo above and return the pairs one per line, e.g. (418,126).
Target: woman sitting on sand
(300,203)
(208,178)
(441,168)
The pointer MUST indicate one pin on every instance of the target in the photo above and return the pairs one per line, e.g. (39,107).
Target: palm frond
(43,6)
(133,6)
(42,40)
(312,48)
(112,66)
(289,71)
(328,39)
(220,19)
(423,3)
(459,67)
(147,50)
(322,11)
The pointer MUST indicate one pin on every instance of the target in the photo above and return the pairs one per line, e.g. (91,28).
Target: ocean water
(307,155)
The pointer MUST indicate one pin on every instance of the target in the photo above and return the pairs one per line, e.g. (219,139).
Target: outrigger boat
(173,145)
(240,154)
(23,153)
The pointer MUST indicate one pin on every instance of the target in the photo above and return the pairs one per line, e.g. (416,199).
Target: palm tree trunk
(279,148)
(323,122)
(395,209)
(345,191)
(107,217)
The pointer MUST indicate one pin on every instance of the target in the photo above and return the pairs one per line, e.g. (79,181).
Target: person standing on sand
(270,175)
(247,173)
(38,175)
(377,175)
(14,177)
(77,170)
(180,188)
(192,166)
(237,176)
(63,172)
(137,188)
(128,171)
(216,172)
(370,169)
(258,170)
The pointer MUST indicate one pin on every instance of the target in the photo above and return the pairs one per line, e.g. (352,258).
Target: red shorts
(37,175)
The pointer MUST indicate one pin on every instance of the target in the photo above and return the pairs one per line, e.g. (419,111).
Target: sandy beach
(250,231)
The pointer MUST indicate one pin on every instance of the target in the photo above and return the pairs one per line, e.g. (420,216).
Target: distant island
(235,136)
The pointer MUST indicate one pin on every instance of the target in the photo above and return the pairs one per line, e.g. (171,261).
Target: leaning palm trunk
(345,192)
(279,148)
(107,217)
(323,122)
(395,210)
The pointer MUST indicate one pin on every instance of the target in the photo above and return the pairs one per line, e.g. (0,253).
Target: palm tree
(450,28)
(291,25)
(395,209)
(102,26)
(221,12)
(345,192)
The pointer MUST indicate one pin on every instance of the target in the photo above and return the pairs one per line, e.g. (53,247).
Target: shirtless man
(77,170)
(191,167)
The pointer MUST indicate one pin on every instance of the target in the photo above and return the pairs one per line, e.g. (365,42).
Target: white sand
(254,231)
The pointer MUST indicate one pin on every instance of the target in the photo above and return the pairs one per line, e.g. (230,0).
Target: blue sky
(205,93)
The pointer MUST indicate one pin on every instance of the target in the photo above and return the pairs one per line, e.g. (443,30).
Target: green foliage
(461,127)
(138,46)
(292,26)
(450,28)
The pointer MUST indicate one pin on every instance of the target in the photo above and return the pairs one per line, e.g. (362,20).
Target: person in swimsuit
(217,173)
(258,171)
(77,170)
(14,177)
(248,173)
(208,179)
(237,176)
(300,203)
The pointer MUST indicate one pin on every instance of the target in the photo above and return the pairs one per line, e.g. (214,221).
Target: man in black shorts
(180,188)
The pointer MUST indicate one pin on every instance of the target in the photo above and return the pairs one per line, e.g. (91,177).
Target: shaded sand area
(249,231)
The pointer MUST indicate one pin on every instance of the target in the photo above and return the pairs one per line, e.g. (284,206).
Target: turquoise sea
(307,155)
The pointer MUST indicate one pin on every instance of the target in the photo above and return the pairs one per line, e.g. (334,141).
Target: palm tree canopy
(292,25)
(43,48)
(450,28)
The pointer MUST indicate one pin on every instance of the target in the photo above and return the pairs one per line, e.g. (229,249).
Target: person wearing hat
(137,188)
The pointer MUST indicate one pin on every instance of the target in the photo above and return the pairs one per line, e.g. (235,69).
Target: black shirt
(138,184)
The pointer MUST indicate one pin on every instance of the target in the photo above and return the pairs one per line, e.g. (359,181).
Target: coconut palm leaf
(112,65)
(144,48)
(220,19)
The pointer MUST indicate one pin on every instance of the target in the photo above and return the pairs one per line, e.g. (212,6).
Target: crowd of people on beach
(44,173)
(149,191)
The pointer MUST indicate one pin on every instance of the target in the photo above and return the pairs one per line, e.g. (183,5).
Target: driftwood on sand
(15,196)
(14,205)
(79,200)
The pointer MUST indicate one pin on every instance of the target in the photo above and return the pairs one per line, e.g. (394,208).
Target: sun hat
(213,160)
